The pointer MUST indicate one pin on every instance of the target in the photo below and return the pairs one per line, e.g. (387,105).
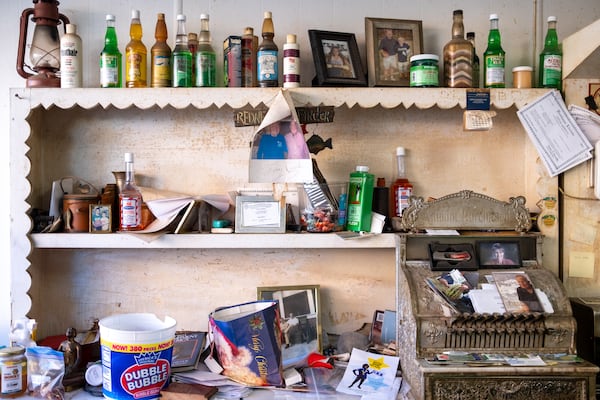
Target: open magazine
(454,287)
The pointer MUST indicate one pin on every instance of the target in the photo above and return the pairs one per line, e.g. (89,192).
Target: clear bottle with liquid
(206,58)
(181,57)
(458,56)
(110,58)
(476,67)
(494,58)
(551,59)
(160,65)
(267,55)
(130,200)
(402,188)
(135,54)
(193,46)
(249,46)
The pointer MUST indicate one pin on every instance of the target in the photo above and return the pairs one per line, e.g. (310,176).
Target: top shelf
(200,98)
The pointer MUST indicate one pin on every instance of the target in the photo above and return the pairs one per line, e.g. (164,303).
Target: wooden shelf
(209,241)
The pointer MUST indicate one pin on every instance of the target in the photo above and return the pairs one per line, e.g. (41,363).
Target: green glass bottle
(181,58)
(494,58)
(206,58)
(550,67)
(110,58)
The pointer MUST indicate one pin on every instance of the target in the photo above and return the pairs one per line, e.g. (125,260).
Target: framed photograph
(336,58)
(499,254)
(390,44)
(300,321)
(100,218)
(259,214)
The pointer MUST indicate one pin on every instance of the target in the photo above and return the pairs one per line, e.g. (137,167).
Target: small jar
(522,77)
(424,71)
(13,372)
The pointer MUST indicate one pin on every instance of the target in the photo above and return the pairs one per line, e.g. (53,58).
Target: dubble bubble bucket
(136,355)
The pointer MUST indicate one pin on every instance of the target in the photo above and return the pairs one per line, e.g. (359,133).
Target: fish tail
(328,144)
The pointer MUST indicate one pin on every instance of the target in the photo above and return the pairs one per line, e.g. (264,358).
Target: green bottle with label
(551,59)
(110,58)
(360,200)
(181,58)
(494,58)
(206,58)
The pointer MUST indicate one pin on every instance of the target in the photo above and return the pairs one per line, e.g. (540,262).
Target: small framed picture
(259,214)
(390,44)
(336,58)
(499,254)
(100,218)
(300,320)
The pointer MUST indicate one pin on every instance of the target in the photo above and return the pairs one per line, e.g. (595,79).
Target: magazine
(454,287)
(517,292)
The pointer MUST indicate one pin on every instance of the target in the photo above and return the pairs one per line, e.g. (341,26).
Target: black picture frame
(488,252)
(411,32)
(347,70)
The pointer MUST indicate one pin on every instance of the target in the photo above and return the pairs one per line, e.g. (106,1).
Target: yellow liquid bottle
(160,63)
(135,54)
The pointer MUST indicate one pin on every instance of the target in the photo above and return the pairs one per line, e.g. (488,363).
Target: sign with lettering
(306,115)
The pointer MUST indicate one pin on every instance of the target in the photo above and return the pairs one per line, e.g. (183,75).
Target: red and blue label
(137,371)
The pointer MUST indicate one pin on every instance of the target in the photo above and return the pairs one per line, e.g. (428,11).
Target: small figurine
(74,376)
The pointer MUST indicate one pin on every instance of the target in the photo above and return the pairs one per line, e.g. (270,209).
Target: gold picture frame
(390,44)
(299,307)
(100,218)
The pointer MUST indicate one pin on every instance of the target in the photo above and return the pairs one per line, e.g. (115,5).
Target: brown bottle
(249,46)
(267,71)
(458,56)
(160,64)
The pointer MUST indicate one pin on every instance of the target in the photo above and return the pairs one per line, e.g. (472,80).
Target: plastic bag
(45,372)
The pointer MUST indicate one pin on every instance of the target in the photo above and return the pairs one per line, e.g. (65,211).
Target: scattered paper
(581,264)
(369,373)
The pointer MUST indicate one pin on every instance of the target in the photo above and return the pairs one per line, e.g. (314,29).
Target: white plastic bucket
(136,355)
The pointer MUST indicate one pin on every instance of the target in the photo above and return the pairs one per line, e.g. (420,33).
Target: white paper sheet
(555,134)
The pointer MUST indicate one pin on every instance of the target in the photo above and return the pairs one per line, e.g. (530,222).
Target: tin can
(13,372)
(424,71)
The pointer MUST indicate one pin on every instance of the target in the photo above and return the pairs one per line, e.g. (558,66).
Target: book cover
(370,373)
(186,350)
(517,292)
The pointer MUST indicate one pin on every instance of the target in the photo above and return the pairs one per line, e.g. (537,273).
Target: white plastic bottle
(70,58)
(291,63)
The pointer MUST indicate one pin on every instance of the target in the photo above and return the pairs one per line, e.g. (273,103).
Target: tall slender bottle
(551,59)
(110,58)
(206,58)
(267,55)
(160,65)
(402,188)
(135,54)
(249,47)
(181,57)
(130,199)
(70,58)
(291,62)
(458,56)
(193,46)
(476,68)
(494,58)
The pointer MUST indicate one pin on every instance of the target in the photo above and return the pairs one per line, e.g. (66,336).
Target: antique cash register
(430,324)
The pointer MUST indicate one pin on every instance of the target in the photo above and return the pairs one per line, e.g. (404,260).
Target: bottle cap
(493,16)
(470,35)
(457,12)
(192,36)
(420,57)
(204,16)
(128,157)
(110,17)
(400,151)
(552,18)
(522,68)
(291,38)
(135,14)
(180,17)
(268,14)
(71,28)
(93,374)
(248,30)
(362,168)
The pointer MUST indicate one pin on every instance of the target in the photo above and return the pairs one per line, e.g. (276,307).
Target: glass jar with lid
(13,372)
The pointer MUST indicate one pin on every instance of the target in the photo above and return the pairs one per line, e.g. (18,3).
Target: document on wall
(555,134)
